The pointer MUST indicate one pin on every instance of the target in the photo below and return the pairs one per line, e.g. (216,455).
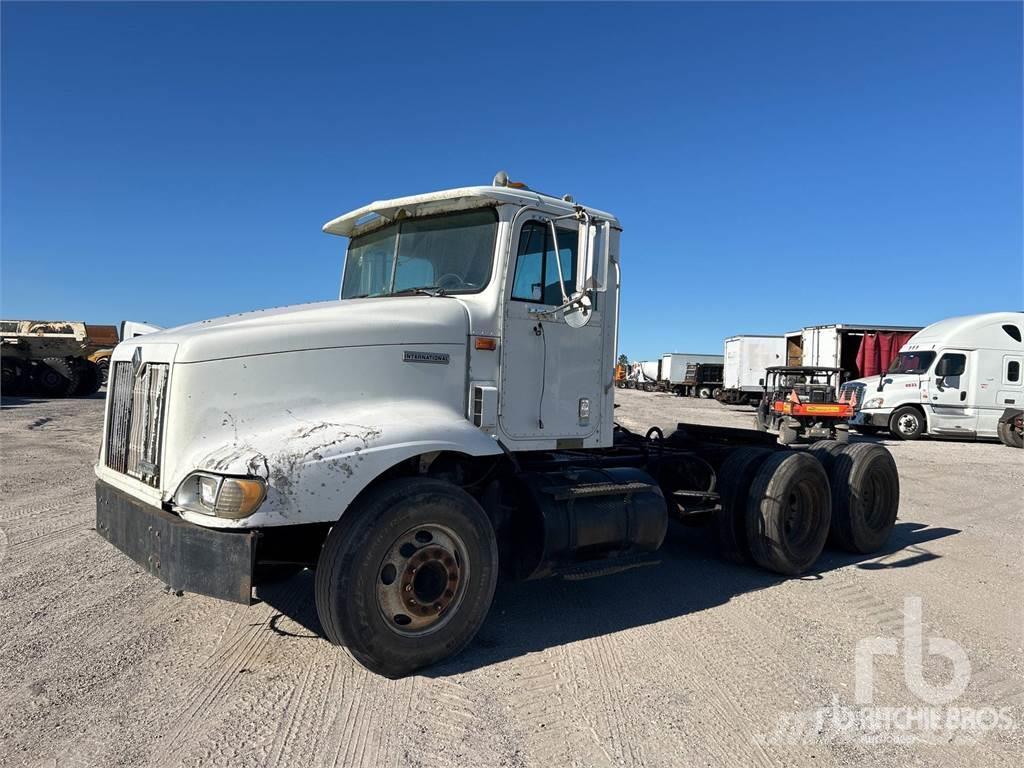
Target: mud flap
(184,556)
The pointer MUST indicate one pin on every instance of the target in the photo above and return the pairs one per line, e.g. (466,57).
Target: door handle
(963,395)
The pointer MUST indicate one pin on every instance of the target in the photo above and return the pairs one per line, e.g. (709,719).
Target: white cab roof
(972,332)
(382,212)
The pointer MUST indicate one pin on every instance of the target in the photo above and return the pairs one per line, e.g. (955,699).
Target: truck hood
(892,381)
(323,325)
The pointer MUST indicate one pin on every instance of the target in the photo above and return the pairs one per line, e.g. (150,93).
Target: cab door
(953,410)
(550,373)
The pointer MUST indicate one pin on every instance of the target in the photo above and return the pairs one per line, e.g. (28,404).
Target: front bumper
(872,418)
(184,556)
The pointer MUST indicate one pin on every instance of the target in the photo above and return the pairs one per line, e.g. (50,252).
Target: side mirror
(594,251)
(950,365)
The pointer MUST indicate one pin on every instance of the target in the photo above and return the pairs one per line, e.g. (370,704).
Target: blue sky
(774,165)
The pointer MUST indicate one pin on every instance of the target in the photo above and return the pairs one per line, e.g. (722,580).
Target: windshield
(912,362)
(451,254)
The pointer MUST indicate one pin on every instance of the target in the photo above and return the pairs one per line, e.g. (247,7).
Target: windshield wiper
(421,290)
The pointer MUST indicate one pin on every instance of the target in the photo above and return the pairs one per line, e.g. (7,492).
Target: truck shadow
(685,576)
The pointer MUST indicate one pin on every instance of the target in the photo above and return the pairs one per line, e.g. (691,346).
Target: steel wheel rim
(907,423)
(800,517)
(422,579)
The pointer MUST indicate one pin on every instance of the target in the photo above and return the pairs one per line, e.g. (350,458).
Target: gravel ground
(680,659)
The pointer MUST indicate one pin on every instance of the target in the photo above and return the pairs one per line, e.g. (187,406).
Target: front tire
(906,423)
(407,576)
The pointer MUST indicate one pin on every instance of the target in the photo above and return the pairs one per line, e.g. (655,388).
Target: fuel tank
(574,515)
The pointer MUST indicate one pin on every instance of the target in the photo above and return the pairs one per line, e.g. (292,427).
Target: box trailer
(674,365)
(746,359)
(859,350)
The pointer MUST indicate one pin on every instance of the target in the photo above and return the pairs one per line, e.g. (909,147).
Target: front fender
(317,463)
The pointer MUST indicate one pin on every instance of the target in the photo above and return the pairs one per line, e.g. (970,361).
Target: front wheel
(407,577)
(906,423)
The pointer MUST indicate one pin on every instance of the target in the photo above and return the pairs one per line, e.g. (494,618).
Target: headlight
(229,497)
(874,402)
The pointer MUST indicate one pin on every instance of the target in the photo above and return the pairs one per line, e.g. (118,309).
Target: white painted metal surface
(320,399)
(747,357)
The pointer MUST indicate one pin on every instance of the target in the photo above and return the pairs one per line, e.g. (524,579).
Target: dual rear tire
(779,508)
(865,490)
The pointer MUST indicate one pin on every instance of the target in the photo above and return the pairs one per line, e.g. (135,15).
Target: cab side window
(951,365)
(536,276)
(1012,375)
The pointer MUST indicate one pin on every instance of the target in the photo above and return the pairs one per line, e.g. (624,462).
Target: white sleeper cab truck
(959,377)
(482,442)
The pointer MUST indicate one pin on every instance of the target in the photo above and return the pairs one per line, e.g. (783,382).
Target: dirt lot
(681,659)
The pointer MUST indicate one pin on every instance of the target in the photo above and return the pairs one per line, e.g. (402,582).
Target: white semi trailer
(959,377)
(486,318)
(746,359)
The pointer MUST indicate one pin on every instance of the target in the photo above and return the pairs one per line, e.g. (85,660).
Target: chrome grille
(137,420)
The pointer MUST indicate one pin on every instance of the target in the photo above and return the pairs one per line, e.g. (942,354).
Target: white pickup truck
(241,448)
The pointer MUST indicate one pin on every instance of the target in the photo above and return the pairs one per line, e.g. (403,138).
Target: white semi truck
(241,448)
(960,377)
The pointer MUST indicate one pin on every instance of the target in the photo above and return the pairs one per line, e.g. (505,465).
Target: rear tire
(13,378)
(865,497)
(825,451)
(1009,436)
(704,393)
(735,476)
(788,512)
(56,377)
(906,423)
(103,368)
(88,379)
(369,596)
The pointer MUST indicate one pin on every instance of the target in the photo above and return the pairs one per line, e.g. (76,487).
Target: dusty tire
(704,393)
(735,477)
(825,451)
(1009,436)
(374,553)
(865,497)
(13,380)
(56,377)
(716,393)
(906,423)
(88,379)
(103,368)
(788,512)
